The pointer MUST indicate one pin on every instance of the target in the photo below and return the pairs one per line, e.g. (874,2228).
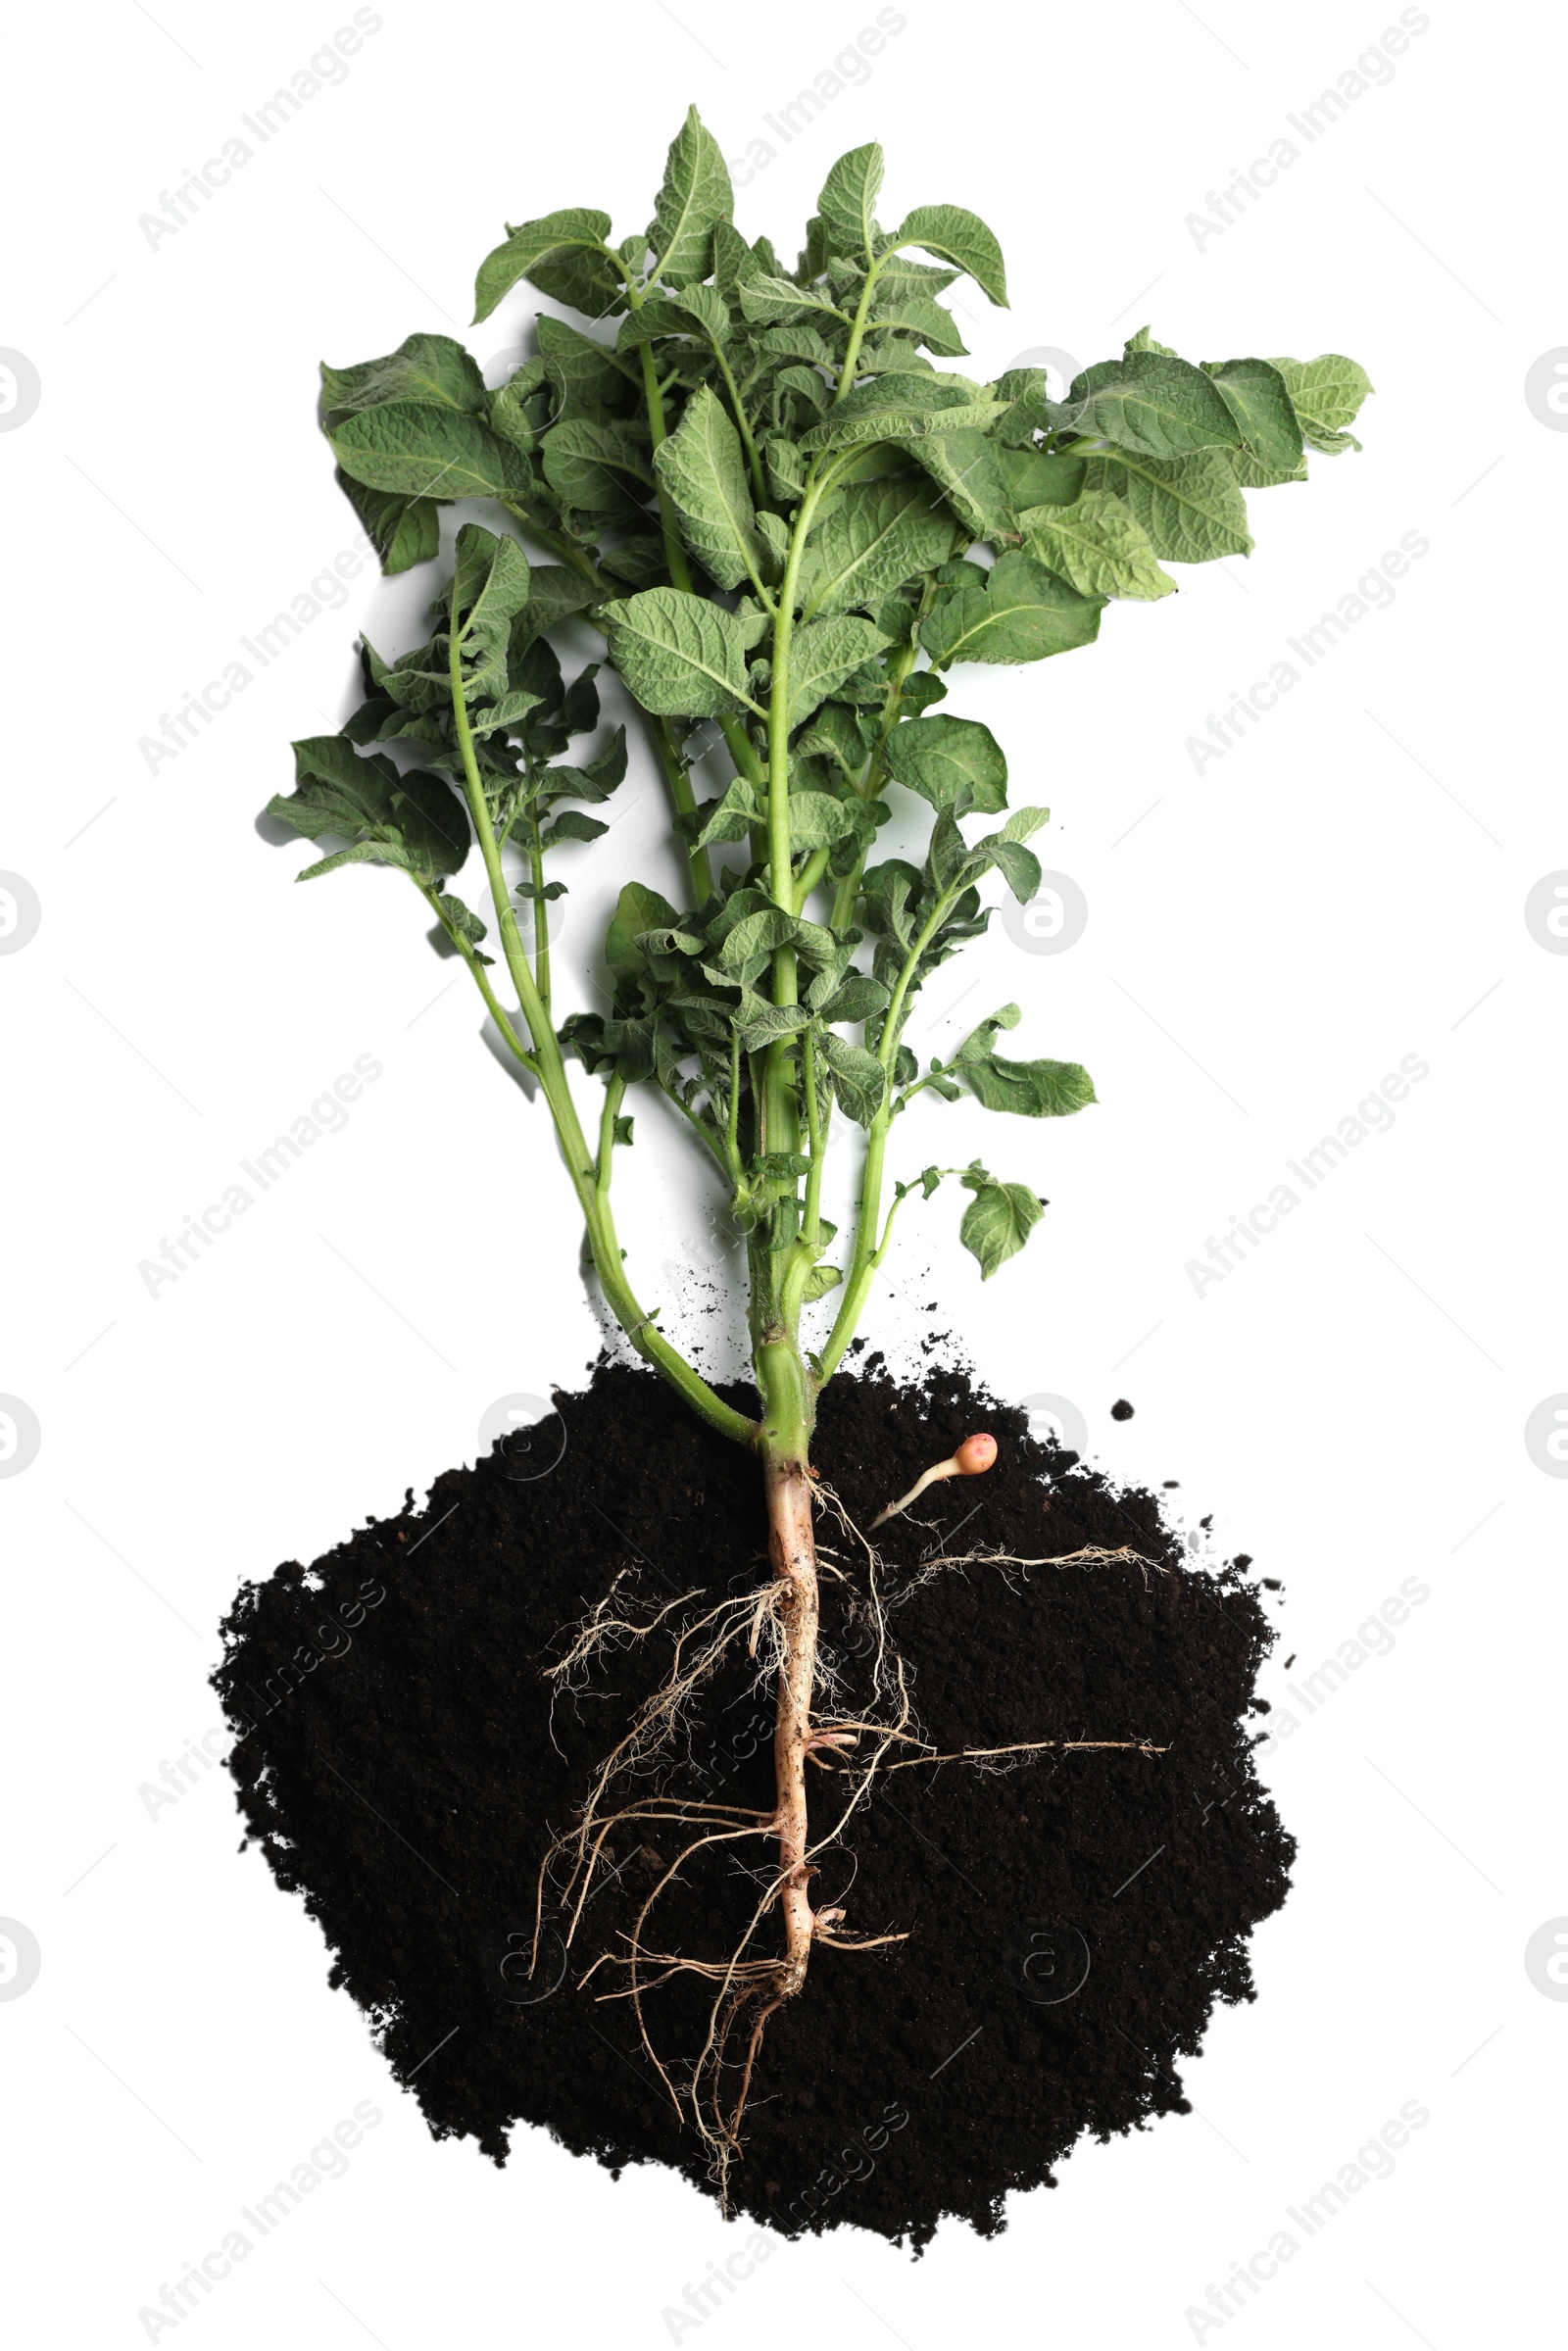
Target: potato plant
(791,519)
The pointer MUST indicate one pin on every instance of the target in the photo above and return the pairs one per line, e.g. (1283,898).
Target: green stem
(541,910)
(808,1245)
(733,1123)
(863,1260)
(818,485)
(810,875)
(858,328)
(867,1254)
(870,785)
(674,552)
(788,1392)
(741,750)
(780,1109)
(649,1342)
(816,1133)
(492,1004)
(615,1095)
(682,799)
(660,738)
(857,1288)
(705,1134)
(738,407)
(557,543)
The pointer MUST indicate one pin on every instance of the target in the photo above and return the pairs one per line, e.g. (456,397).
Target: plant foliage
(790,519)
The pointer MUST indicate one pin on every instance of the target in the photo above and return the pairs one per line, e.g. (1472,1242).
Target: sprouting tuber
(973,1456)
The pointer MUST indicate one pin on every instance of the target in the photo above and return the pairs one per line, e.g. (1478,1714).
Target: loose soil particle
(406,1785)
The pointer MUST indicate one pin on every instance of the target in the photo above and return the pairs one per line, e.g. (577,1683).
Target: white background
(1265,941)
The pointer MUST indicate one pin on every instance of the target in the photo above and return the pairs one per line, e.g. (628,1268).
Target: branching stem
(649,1342)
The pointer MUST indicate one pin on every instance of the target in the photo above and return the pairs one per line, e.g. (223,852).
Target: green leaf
(1143,340)
(506,712)
(422,451)
(1028,1089)
(1019,869)
(364,852)
(1004,850)
(898,278)
(600,776)
(998,1221)
(890,892)
(959,238)
(767,1023)
(589,377)
(751,945)
(639,560)
(817,820)
(489,589)
(1250,475)
(1255,392)
(775,345)
(680,656)
(982,1038)
(431,369)
(922,320)
(857,998)
(838,734)
(571,825)
(734,261)
(902,407)
(1029,407)
(1189,507)
(418,682)
(874,535)
(413,820)
(848,202)
(521,408)
(702,472)
(823,655)
(1023,612)
(784,1163)
(966,467)
(659,317)
(1326,393)
(1034,479)
(818,1282)
(1157,406)
(561,254)
(596,466)
(1098,545)
(946,760)
(336,791)
(695,197)
(732,817)
(779,302)
(708,311)
(404,531)
(858,1080)
(638,908)
(797,390)
(1021,825)
(552,593)
(433,823)
(786,470)
(774,533)
(465,921)
(659,946)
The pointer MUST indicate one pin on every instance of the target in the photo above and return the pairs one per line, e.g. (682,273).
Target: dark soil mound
(399,1764)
